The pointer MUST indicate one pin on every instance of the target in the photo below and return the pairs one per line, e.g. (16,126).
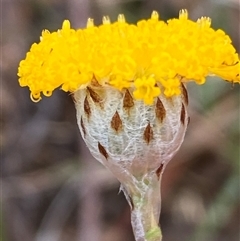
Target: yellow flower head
(150,58)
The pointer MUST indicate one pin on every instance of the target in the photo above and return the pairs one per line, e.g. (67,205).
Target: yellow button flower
(115,52)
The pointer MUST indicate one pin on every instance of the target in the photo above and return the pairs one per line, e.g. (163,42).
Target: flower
(124,56)
(128,83)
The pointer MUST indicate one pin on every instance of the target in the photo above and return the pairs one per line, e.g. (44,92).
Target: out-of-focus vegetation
(53,190)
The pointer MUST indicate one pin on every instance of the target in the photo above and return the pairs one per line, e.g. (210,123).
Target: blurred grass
(2,228)
(220,212)
(48,178)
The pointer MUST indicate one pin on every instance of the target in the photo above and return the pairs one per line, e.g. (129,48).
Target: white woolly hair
(130,146)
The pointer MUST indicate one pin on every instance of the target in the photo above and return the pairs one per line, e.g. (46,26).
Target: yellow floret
(146,89)
(145,57)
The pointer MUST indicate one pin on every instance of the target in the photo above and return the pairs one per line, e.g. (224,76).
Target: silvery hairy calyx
(134,141)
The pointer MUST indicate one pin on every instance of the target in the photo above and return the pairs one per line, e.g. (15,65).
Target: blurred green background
(53,190)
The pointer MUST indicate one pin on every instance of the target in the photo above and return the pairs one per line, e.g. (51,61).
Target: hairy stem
(145,202)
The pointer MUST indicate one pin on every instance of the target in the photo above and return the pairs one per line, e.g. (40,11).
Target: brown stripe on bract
(94,82)
(86,107)
(148,133)
(128,100)
(183,114)
(185,94)
(159,171)
(95,97)
(102,150)
(160,110)
(188,120)
(116,122)
(83,127)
